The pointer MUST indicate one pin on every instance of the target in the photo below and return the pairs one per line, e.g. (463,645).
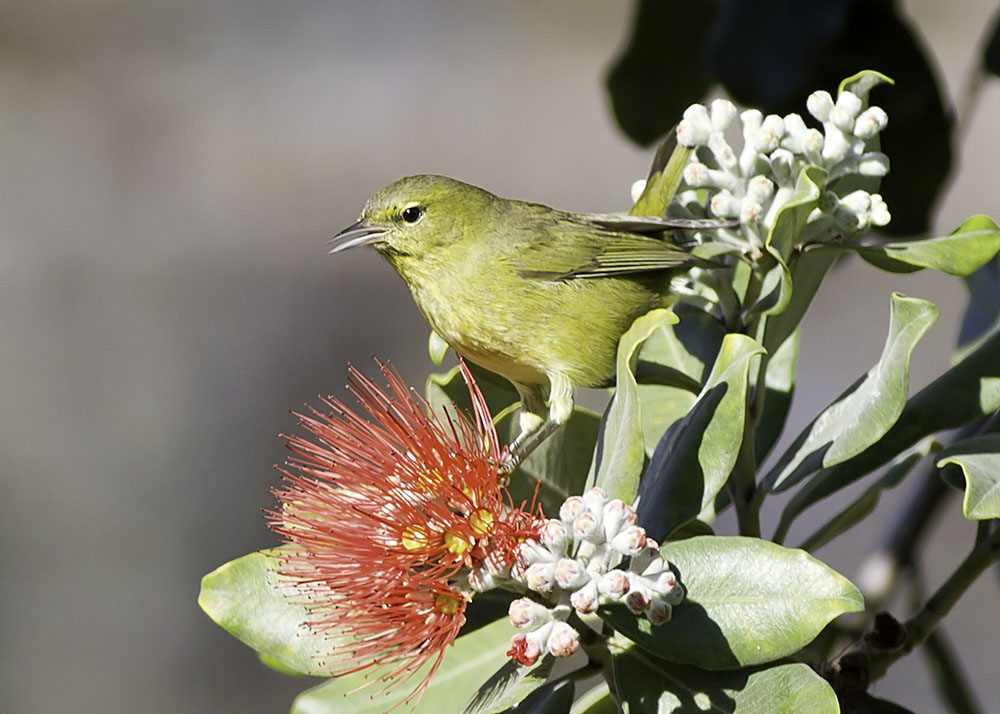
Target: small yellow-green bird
(537,295)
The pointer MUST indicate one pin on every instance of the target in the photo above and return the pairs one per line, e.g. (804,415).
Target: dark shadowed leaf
(621,455)
(866,411)
(659,73)
(748,601)
(691,463)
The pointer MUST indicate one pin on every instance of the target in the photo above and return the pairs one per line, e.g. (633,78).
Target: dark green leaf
(968,391)
(596,701)
(748,602)
(979,459)
(508,686)
(808,270)
(657,75)
(649,685)
(552,698)
(621,457)
(991,52)
(462,671)
(864,504)
(961,252)
(695,456)
(866,411)
(672,367)
(248,599)
(780,384)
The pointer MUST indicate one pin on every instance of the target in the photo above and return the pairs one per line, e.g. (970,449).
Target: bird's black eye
(411,214)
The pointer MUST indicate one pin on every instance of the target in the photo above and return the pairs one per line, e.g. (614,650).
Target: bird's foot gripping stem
(522,446)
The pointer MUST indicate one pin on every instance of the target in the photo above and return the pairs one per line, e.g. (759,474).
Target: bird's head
(416,216)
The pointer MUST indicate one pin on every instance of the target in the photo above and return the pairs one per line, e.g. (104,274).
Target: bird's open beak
(360,233)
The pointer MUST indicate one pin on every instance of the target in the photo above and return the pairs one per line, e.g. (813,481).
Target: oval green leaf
(748,601)
(251,601)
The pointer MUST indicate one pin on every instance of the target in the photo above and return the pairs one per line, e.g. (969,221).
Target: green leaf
(808,270)
(621,456)
(436,347)
(561,463)
(968,391)
(776,288)
(596,701)
(748,601)
(863,505)
(863,82)
(979,459)
(252,602)
(867,410)
(648,684)
(961,252)
(665,176)
(509,685)
(780,384)
(792,216)
(456,682)
(673,363)
(694,458)
(552,698)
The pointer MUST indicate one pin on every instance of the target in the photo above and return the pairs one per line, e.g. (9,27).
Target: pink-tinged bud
(666,581)
(571,508)
(540,577)
(530,552)
(617,515)
(527,613)
(613,585)
(638,599)
(570,574)
(659,612)
(524,650)
(585,600)
(587,527)
(554,536)
(595,498)
(482,580)
(630,541)
(564,640)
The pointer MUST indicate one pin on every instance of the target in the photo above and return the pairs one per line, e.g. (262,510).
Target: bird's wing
(569,247)
(651,224)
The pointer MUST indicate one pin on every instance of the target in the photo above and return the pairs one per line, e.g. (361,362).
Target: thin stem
(922,624)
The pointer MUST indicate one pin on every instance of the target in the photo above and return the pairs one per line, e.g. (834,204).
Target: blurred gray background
(170,173)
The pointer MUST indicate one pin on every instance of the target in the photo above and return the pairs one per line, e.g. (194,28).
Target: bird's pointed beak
(359,233)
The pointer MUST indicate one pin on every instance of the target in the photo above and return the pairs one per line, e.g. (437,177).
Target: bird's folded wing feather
(574,249)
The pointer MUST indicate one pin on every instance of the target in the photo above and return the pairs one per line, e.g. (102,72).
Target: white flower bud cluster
(575,564)
(755,182)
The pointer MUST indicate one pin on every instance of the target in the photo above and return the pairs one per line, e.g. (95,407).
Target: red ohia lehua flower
(388,515)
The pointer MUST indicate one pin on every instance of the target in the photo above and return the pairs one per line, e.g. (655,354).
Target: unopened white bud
(759,189)
(563,640)
(723,113)
(820,104)
(638,186)
(870,122)
(873,163)
(695,128)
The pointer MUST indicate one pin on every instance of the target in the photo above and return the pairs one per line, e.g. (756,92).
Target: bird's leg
(536,428)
